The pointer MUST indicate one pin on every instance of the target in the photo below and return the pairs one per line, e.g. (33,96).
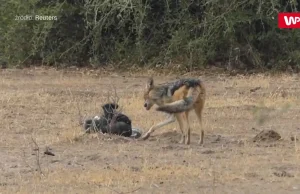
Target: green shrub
(194,33)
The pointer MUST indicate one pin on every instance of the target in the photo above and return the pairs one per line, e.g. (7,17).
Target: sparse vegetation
(233,34)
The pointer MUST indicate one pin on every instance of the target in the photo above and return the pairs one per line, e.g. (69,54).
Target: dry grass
(44,105)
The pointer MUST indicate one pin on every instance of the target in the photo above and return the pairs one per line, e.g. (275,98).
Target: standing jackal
(176,99)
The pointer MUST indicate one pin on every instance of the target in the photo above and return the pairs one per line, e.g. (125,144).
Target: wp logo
(289,20)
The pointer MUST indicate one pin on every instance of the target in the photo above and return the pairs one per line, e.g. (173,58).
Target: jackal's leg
(180,121)
(187,129)
(198,111)
(169,120)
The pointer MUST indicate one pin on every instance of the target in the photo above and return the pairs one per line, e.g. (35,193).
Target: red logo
(289,20)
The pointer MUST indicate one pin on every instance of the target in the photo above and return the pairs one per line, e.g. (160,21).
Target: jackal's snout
(147,105)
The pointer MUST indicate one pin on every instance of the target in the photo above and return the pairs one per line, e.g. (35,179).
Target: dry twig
(37,149)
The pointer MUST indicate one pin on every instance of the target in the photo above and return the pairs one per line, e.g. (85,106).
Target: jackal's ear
(150,83)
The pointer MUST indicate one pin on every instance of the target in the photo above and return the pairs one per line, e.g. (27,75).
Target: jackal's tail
(185,104)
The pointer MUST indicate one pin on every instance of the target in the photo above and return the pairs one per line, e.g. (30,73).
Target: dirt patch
(43,105)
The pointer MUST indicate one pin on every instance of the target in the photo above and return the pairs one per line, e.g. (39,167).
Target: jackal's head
(149,102)
(155,95)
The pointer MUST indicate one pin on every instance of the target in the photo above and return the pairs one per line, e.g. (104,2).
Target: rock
(294,138)
(48,152)
(208,152)
(269,135)
(255,89)
(283,174)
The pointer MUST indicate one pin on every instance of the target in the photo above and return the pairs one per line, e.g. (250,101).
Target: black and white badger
(111,121)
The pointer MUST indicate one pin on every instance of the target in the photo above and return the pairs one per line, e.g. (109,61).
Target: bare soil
(39,110)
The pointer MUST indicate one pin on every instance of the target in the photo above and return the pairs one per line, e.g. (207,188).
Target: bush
(239,33)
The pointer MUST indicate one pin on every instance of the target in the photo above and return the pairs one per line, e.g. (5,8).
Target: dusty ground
(42,106)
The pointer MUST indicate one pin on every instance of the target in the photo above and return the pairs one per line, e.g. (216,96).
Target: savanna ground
(41,106)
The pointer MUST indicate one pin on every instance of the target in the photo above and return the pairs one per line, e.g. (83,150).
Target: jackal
(177,99)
